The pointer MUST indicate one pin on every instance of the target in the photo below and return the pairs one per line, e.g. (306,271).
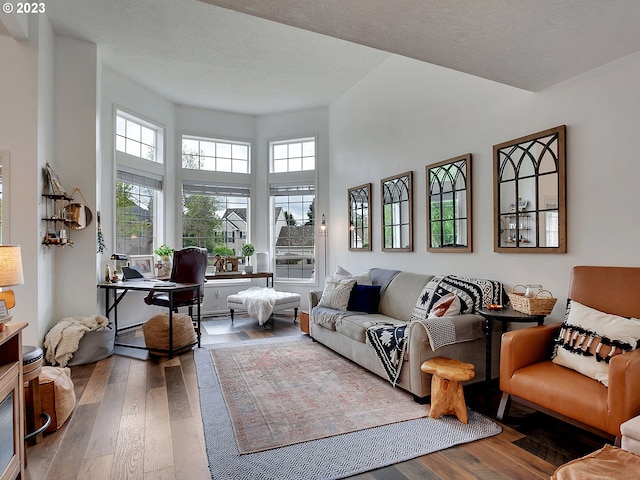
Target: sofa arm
(624,388)
(314,298)
(524,347)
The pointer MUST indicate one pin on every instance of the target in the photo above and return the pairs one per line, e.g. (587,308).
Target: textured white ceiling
(199,55)
(249,57)
(529,44)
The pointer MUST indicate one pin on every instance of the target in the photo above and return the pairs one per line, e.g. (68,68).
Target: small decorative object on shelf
(248,250)
(4,315)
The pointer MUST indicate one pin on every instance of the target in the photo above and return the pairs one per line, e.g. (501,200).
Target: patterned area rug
(333,457)
(295,391)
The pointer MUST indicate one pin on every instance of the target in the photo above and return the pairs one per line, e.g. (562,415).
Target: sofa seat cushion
(354,326)
(564,391)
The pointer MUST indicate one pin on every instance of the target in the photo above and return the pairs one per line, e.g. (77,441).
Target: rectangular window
(215,155)
(215,217)
(294,231)
(137,201)
(136,137)
(139,183)
(293,155)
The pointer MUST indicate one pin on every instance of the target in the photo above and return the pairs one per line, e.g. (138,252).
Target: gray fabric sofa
(397,301)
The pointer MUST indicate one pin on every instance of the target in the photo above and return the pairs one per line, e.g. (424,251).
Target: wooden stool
(32,358)
(447,397)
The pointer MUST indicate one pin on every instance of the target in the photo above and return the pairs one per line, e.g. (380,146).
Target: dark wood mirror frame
(529,196)
(397,191)
(449,212)
(359,201)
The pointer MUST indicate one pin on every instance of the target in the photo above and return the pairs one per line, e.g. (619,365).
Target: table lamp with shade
(10,274)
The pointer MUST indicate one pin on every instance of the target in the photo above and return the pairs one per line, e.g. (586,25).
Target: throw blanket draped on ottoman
(260,302)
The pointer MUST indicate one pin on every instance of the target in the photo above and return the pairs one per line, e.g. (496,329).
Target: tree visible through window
(135,206)
(215,222)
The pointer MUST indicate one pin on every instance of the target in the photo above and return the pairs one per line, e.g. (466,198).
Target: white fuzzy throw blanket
(259,302)
(62,341)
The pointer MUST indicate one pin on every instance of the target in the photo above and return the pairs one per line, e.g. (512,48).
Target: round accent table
(505,315)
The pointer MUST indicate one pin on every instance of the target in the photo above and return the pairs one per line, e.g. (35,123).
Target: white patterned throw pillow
(336,293)
(589,339)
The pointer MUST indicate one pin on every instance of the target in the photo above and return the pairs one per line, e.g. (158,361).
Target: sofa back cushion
(400,296)
(608,289)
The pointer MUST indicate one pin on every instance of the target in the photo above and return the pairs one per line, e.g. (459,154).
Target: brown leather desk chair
(189,266)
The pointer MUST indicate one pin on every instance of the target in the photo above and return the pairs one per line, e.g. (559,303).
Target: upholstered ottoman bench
(261,303)
(631,435)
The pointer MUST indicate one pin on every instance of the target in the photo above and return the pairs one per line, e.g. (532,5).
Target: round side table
(505,315)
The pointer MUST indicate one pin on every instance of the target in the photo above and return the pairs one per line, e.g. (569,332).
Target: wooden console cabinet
(11,402)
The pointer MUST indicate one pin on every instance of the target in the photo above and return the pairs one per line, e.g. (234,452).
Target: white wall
(75,161)
(20,140)
(406,115)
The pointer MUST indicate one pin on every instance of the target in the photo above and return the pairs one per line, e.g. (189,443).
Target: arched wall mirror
(397,213)
(359,200)
(449,205)
(529,194)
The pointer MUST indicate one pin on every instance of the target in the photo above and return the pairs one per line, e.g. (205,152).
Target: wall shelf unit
(57,232)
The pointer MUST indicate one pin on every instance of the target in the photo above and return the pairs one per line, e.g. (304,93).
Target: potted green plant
(248,250)
(165,252)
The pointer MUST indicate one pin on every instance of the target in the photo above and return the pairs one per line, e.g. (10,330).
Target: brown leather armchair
(528,376)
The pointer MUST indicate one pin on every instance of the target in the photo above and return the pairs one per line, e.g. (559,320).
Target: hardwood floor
(138,417)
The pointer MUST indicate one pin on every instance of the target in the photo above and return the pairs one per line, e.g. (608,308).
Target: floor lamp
(10,274)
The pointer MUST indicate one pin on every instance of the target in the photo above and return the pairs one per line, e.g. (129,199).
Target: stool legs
(447,398)
(32,404)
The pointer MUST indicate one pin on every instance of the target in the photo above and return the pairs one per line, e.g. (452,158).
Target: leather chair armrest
(624,388)
(523,347)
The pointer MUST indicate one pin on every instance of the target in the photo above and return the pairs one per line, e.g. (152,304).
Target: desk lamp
(10,274)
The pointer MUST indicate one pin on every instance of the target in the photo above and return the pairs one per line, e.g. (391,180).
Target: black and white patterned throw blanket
(474,293)
(389,341)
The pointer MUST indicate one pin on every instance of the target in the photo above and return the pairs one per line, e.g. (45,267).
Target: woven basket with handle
(538,305)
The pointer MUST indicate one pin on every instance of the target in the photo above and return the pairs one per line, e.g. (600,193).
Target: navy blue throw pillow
(364,298)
